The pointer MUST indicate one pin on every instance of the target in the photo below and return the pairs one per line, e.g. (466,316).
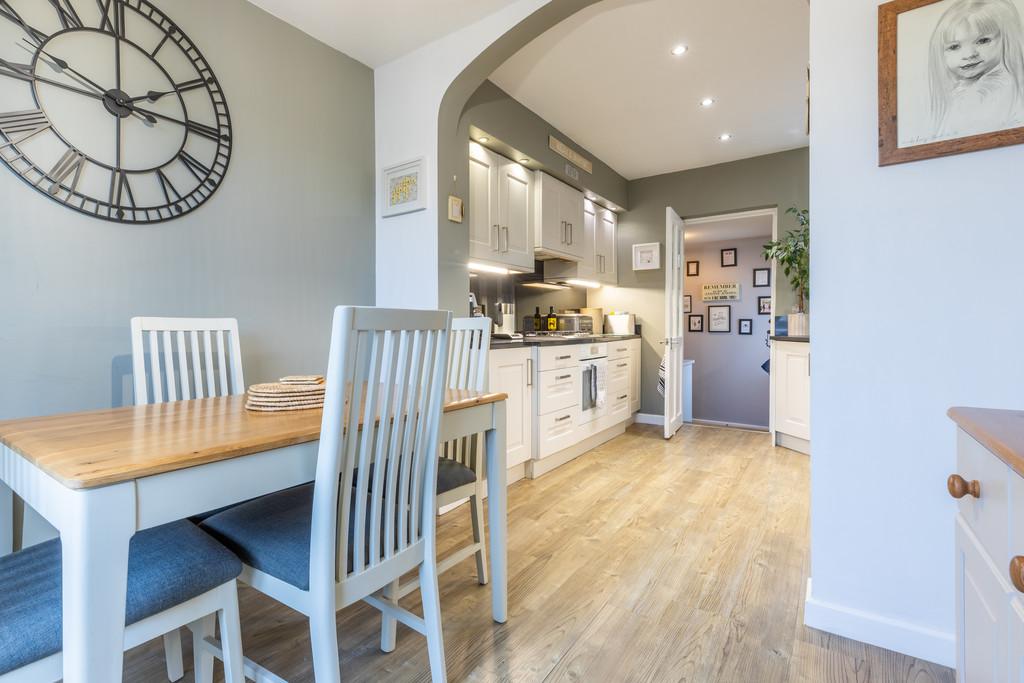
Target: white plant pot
(799,325)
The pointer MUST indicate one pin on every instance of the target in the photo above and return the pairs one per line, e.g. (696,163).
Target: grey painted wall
(288,236)
(772,180)
(728,382)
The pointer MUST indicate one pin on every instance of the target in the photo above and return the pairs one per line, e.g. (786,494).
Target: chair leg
(323,634)
(476,505)
(202,660)
(172,655)
(389,625)
(231,637)
(432,616)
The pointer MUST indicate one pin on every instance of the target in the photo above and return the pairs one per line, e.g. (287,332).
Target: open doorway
(728,303)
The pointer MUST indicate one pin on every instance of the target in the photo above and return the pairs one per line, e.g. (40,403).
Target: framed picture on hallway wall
(693,269)
(746,326)
(950,77)
(729,258)
(687,304)
(720,319)
(695,322)
(764,305)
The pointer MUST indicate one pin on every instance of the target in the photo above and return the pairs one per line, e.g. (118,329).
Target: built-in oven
(593,382)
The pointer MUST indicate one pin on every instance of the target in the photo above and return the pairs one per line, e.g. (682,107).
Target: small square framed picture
(762,277)
(404,188)
(720,319)
(687,304)
(693,269)
(729,258)
(746,326)
(695,322)
(764,305)
(647,256)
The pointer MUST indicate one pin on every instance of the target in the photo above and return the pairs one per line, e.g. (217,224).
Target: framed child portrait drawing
(950,77)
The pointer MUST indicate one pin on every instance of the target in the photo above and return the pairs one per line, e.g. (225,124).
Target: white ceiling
(377,31)
(606,78)
(739,228)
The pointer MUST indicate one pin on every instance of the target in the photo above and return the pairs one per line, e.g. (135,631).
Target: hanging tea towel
(661,377)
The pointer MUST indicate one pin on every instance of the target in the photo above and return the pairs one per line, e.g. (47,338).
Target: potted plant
(793,254)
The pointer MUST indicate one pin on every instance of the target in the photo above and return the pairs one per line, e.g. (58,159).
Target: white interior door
(673,322)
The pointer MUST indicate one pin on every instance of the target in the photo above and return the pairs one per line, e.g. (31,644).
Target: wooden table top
(103,447)
(1000,431)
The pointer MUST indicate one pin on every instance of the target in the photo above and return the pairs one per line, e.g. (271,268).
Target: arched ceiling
(607,78)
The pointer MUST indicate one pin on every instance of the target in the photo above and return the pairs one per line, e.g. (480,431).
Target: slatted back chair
(185,358)
(372,504)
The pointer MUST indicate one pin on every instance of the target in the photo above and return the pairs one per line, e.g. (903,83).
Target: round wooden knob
(1017,573)
(960,487)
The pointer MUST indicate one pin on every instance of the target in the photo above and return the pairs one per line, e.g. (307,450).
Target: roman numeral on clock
(195,167)
(9,13)
(19,126)
(112,16)
(66,13)
(208,132)
(71,163)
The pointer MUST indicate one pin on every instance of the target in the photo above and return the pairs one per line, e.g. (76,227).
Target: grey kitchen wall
(728,382)
(288,236)
(780,180)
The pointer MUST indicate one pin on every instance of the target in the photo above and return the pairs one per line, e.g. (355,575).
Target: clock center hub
(118,103)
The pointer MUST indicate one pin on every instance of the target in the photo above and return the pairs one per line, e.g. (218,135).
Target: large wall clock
(109,109)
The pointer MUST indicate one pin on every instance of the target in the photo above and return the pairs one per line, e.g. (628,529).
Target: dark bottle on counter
(552,320)
(538,321)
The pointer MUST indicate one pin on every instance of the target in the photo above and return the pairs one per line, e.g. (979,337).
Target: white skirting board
(732,425)
(648,419)
(875,629)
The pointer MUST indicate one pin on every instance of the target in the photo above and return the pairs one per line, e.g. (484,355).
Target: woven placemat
(280,409)
(278,389)
(302,379)
(255,400)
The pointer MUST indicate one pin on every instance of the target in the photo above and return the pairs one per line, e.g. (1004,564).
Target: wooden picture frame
(720,319)
(766,277)
(764,305)
(647,256)
(687,303)
(746,326)
(730,257)
(695,322)
(693,269)
(935,92)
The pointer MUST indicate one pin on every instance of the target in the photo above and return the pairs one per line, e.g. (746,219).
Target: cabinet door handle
(960,487)
(1017,573)
(563,419)
(506,239)
(558,379)
(624,396)
(562,357)
(529,372)
(623,365)
(570,233)
(497,237)
(564,232)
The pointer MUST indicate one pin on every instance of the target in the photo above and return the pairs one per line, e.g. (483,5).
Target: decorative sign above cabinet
(566,152)
(722,292)
(109,109)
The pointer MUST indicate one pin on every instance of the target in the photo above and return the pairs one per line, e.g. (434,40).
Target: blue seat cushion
(272,533)
(167,565)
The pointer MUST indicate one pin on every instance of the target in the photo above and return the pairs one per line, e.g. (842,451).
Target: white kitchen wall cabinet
(791,394)
(558,219)
(585,268)
(500,210)
(511,372)
(606,237)
(989,536)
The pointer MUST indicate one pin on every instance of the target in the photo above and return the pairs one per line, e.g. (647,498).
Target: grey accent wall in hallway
(728,382)
(288,236)
(780,180)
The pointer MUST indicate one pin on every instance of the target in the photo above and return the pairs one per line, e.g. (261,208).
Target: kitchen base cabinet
(989,536)
(511,372)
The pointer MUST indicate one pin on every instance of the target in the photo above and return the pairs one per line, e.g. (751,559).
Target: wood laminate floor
(644,560)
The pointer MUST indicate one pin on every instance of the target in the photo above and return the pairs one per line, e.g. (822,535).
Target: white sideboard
(989,486)
(790,409)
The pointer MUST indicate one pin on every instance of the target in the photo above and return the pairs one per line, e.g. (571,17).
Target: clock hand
(64,66)
(208,132)
(154,95)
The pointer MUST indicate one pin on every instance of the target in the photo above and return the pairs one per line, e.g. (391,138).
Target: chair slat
(197,366)
(182,353)
(224,389)
(395,446)
(154,363)
(172,390)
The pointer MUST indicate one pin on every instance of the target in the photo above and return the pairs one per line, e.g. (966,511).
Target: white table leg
(94,541)
(497,512)
(6,520)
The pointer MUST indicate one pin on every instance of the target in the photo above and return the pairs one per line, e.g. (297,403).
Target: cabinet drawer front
(989,515)
(618,404)
(557,390)
(556,357)
(618,373)
(557,431)
(619,349)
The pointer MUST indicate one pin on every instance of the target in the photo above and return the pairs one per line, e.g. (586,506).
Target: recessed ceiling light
(725,137)
(524,160)
(679,50)
(707,102)
(484,139)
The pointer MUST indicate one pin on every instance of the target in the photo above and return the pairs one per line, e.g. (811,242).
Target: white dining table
(99,477)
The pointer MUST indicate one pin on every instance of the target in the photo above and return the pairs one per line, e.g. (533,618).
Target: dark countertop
(560,341)
(782,337)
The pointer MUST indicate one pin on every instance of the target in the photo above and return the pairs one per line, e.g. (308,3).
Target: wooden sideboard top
(1000,431)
